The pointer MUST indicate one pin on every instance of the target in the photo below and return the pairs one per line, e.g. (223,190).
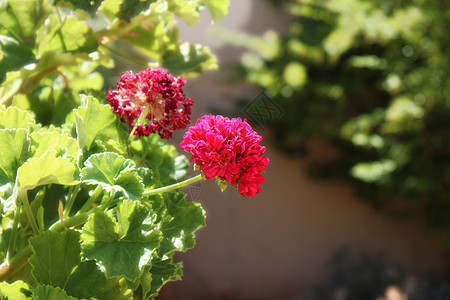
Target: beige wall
(276,245)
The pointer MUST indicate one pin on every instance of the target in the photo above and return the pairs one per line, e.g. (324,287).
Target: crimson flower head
(228,150)
(158,95)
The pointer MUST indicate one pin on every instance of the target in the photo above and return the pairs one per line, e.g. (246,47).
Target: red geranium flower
(229,150)
(156,93)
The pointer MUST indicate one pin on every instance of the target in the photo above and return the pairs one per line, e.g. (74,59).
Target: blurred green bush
(372,79)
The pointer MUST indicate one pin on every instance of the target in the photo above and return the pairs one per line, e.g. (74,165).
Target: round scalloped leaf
(45,170)
(50,293)
(14,118)
(16,290)
(121,242)
(113,172)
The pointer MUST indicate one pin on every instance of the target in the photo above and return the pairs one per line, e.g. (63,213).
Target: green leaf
(55,255)
(45,292)
(15,55)
(163,159)
(45,170)
(56,261)
(188,11)
(110,8)
(121,242)
(44,140)
(95,121)
(17,290)
(113,172)
(86,280)
(16,118)
(189,60)
(74,36)
(163,271)
(186,218)
(13,153)
(217,8)
(24,17)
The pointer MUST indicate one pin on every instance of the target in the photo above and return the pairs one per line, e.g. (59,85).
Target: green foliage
(51,50)
(113,256)
(123,241)
(371,79)
(76,223)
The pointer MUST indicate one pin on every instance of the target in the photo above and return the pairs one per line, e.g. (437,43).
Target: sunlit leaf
(42,141)
(95,121)
(17,290)
(74,36)
(13,117)
(188,11)
(189,60)
(217,8)
(45,170)
(27,15)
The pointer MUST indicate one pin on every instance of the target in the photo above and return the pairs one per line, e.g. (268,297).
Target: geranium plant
(91,208)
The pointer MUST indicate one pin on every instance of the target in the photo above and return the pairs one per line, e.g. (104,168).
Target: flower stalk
(173,186)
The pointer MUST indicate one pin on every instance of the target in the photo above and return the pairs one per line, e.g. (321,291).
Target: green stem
(140,121)
(26,205)
(86,206)
(173,186)
(7,99)
(15,228)
(108,202)
(73,192)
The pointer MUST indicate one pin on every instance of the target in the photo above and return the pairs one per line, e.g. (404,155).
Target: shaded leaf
(163,270)
(46,292)
(55,255)
(186,218)
(86,280)
(122,242)
(14,55)
(13,153)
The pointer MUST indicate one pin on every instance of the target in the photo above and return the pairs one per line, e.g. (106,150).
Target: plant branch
(12,239)
(86,206)
(73,192)
(26,205)
(173,186)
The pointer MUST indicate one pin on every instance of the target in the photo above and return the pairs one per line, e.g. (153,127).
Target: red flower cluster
(229,150)
(156,92)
